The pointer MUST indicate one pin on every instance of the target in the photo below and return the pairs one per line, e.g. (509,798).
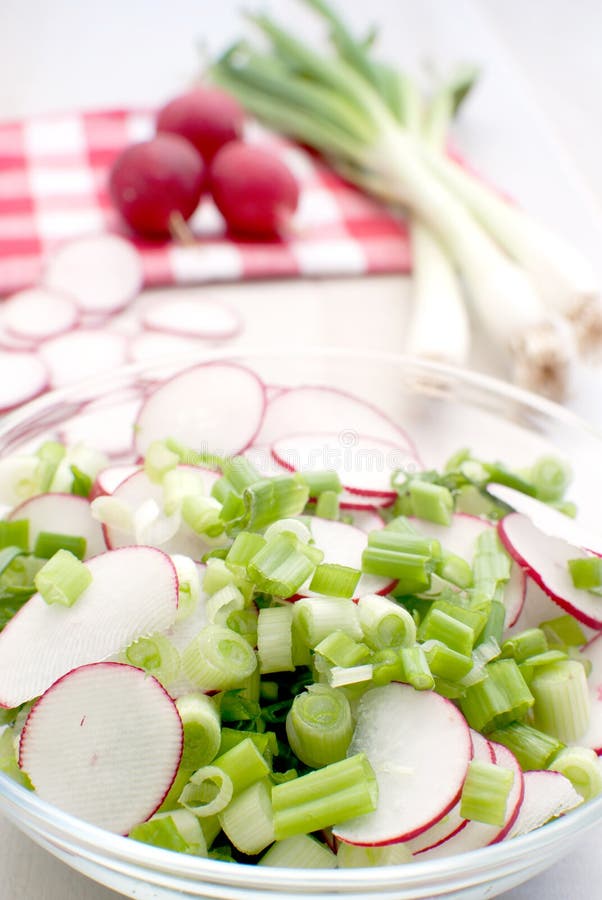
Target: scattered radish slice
(109,478)
(451,823)
(23,376)
(216,407)
(364,464)
(546,559)
(460,538)
(67,512)
(39,313)
(476,834)
(134,592)
(344,545)
(593,736)
(80,354)
(193,317)
(320,408)
(419,746)
(547,795)
(103,744)
(106,427)
(102,272)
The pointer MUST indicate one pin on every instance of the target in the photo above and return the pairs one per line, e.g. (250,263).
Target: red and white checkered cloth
(53,187)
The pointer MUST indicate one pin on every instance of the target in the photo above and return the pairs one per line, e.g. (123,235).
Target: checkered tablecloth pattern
(53,187)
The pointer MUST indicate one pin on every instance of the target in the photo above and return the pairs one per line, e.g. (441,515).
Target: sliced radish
(39,313)
(23,376)
(546,559)
(419,746)
(80,354)
(364,464)
(452,822)
(367,520)
(350,501)
(102,272)
(65,513)
(10,341)
(104,744)
(547,796)
(109,427)
(260,455)
(109,478)
(476,834)
(460,538)
(320,408)
(593,736)
(344,545)
(148,346)
(217,407)
(192,316)
(136,491)
(134,592)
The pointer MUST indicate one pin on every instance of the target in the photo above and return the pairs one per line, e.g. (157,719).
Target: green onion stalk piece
(202,734)
(156,655)
(280,567)
(586,573)
(208,792)
(501,698)
(15,534)
(327,506)
(218,659)
(319,725)
(562,704)
(385,623)
(244,764)
(416,668)
(159,460)
(302,851)
(335,580)
(532,748)
(485,793)
(177,830)
(582,767)
(248,819)
(48,543)
(551,476)
(63,579)
(275,639)
(341,650)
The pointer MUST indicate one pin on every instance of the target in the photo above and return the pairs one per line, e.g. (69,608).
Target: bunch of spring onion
(530,291)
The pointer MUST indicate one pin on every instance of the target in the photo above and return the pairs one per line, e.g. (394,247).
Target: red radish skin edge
(207,117)
(538,579)
(107,664)
(498,748)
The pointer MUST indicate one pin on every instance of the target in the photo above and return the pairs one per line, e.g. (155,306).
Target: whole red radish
(156,184)
(253,189)
(205,116)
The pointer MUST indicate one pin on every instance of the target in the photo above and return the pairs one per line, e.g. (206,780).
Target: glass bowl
(442,409)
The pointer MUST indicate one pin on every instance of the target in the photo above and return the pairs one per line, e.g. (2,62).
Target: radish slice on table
(134,592)
(104,744)
(452,822)
(593,736)
(66,513)
(136,491)
(477,834)
(80,354)
(108,428)
(216,407)
(101,272)
(23,376)
(318,408)
(461,538)
(419,746)
(344,544)
(192,316)
(110,478)
(546,560)
(364,464)
(547,795)
(39,313)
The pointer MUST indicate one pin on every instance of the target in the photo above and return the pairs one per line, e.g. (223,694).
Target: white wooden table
(533,126)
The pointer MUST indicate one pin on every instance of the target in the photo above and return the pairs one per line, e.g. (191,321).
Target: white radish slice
(538,608)
(452,822)
(546,560)
(344,544)
(593,736)
(260,455)
(63,513)
(107,427)
(548,519)
(419,746)
(476,834)
(10,341)
(461,538)
(134,592)
(109,478)
(364,464)
(216,407)
(23,376)
(149,346)
(80,354)
(367,520)
(321,408)
(181,634)
(192,317)
(136,491)
(547,796)
(39,313)
(101,272)
(103,744)
(351,502)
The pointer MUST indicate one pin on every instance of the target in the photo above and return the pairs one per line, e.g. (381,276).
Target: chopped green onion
(244,764)
(582,767)
(275,639)
(562,704)
(345,676)
(208,792)
(411,570)
(319,725)
(248,820)
(393,539)
(299,852)
(156,655)
(63,579)
(177,830)
(189,584)
(494,626)
(240,472)
(321,482)
(327,506)
(387,666)
(317,617)
(491,565)
(292,526)
(350,856)
(551,476)
(416,668)
(15,534)
(218,659)
(431,501)
(532,748)
(499,699)
(224,602)
(219,575)
(271,499)
(243,549)
(445,662)
(385,623)
(341,650)
(280,568)
(113,512)
(190,457)
(485,793)
(178,484)
(564,630)
(159,460)
(528,643)
(455,569)
(48,543)
(586,572)
(201,724)
(334,580)
(203,515)
(325,797)
(438,625)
